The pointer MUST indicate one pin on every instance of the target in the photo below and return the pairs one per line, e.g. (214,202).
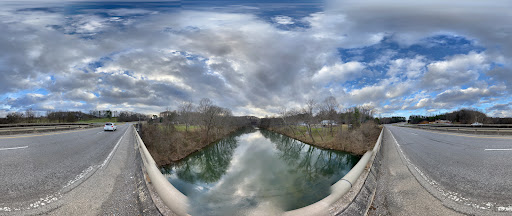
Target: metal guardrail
(465,125)
(465,129)
(39,129)
(38,124)
(170,196)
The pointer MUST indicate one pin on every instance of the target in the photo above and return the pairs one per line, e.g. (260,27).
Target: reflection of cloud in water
(265,172)
(252,137)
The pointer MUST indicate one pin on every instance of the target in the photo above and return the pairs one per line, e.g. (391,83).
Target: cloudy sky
(402,57)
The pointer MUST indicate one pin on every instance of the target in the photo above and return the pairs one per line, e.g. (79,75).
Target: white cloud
(283,20)
(423,103)
(410,68)
(469,95)
(339,73)
(455,71)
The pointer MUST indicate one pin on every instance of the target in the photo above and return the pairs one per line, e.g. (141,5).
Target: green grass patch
(182,127)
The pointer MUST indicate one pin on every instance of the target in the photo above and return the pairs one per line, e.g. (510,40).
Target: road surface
(469,174)
(79,172)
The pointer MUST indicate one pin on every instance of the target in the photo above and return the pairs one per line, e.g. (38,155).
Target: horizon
(255,57)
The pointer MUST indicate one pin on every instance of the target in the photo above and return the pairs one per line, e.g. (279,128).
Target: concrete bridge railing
(170,196)
(327,206)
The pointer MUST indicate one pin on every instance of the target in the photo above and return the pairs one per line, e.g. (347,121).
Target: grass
(182,127)
(321,134)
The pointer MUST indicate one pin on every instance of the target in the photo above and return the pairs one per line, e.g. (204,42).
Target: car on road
(109,126)
(477,124)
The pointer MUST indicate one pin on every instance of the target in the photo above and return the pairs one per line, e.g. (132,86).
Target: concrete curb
(170,196)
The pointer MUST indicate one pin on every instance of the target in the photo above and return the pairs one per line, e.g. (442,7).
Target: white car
(110,126)
(477,124)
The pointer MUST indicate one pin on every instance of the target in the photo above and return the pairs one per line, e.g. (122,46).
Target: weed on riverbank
(354,140)
(169,143)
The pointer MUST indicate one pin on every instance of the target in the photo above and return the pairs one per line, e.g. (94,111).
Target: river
(256,171)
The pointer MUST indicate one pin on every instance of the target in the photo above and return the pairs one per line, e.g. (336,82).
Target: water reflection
(257,170)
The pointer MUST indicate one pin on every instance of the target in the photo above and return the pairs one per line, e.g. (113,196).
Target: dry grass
(168,144)
(356,141)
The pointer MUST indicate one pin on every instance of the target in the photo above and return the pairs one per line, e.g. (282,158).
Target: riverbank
(355,141)
(171,143)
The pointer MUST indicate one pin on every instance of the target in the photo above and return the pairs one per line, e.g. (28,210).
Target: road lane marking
(113,150)
(13,148)
(454,196)
(79,176)
(415,134)
(497,149)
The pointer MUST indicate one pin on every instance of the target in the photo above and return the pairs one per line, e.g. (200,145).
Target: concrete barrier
(39,124)
(170,196)
(342,187)
(41,129)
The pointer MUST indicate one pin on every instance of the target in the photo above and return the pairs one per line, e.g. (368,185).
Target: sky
(256,57)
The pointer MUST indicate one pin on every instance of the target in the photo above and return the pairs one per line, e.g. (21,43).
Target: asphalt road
(470,174)
(79,172)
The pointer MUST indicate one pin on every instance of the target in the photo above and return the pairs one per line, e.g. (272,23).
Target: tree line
(31,116)
(175,134)
(391,120)
(326,125)
(325,114)
(462,116)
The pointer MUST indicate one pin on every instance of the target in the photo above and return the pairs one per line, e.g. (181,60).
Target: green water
(257,172)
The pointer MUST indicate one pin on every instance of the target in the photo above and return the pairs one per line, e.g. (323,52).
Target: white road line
(13,148)
(113,150)
(497,149)
(450,194)
(415,134)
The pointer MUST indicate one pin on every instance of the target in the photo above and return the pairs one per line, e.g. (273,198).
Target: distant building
(327,122)
(424,122)
(440,122)
(167,114)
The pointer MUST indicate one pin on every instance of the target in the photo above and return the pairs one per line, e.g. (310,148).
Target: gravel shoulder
(398,191)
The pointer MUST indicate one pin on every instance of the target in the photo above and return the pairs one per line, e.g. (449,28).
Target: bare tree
(309,117)
(329,107)
(185,111)
(29,115)
(14,117)
(207,112)
(285,117)
(222,119)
